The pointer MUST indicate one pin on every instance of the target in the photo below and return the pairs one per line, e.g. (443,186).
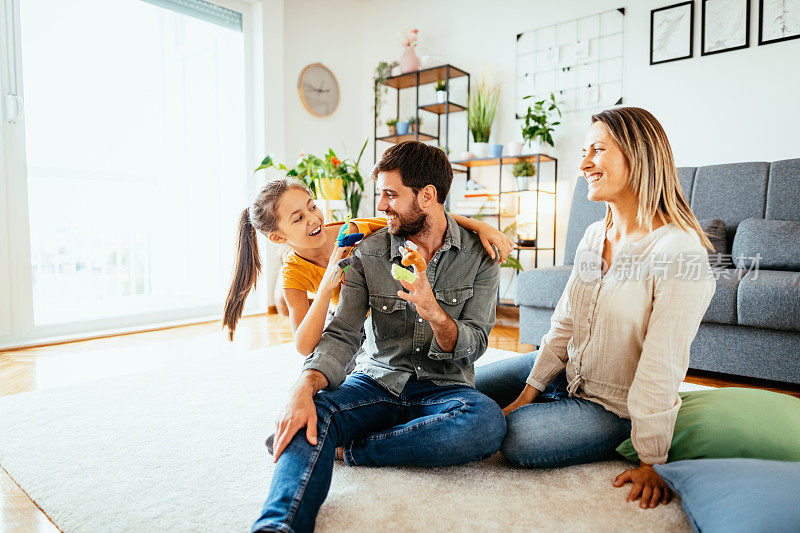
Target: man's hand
(421,295)
(647,484)
(300,411)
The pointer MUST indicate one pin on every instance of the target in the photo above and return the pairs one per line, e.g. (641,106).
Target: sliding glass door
(136,155)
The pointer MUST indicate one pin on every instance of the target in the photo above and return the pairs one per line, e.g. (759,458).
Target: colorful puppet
(403,274)
(344,239)
(412,257)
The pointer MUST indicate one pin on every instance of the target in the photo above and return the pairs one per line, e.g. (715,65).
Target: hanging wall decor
(724,26)
(578,60)
(778,20)
(671,33)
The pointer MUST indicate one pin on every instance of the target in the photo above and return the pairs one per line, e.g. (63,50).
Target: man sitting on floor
(410,400)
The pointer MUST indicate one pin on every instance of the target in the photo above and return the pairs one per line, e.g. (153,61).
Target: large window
(136,154)
(135,137)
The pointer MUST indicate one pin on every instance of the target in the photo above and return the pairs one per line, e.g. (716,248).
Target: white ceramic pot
(441,96)
(514,148)
(535,146)
(522,183)
(480,149)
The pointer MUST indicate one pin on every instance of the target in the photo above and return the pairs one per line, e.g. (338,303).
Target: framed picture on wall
(671,35)
(724,26)
(778,20)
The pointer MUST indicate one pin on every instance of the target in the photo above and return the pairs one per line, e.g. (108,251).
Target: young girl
(285,213)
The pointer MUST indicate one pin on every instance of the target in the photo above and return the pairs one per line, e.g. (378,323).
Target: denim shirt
(399,344)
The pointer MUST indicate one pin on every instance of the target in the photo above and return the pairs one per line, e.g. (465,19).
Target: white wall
(735,106)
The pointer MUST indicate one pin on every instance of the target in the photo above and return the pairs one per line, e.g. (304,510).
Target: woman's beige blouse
(624,336)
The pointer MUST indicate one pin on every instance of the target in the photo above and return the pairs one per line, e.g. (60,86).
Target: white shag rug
(183,450)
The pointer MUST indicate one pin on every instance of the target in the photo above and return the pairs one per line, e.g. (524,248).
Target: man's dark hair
(419,165)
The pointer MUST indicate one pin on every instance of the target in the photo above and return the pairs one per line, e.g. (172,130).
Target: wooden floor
(64,364)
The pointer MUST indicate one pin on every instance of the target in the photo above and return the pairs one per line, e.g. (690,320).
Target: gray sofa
(752,326)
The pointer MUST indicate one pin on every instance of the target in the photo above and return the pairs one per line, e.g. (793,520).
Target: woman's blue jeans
(555,430)
(428,425)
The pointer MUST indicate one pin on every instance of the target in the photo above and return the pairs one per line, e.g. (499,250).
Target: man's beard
(411,223)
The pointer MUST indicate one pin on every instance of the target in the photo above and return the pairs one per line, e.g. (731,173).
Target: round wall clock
(319,90)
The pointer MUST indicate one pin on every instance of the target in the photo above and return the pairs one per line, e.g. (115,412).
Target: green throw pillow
(733,422)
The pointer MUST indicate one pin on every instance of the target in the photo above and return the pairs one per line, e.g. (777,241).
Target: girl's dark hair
(261,216)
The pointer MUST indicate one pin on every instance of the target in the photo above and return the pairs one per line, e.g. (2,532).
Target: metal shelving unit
(414,80)
(467,166)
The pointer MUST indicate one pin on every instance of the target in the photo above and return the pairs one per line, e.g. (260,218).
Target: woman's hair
(261,216)
(653,176)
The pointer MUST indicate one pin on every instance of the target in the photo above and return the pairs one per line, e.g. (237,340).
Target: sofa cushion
(733,422)
(582,213)
(769,299)
(715,231)
(722,309)
(542,287)
(773,244)
(783,191)
(736,494)
(731,192)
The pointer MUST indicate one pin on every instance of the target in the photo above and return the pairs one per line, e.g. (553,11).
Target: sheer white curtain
(136,156)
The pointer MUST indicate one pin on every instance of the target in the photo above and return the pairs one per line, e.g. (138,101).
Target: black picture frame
(746,28)
(653,12)
(761,40)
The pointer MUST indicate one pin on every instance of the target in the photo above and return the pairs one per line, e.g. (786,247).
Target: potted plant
(539,123)
(482,109)
(441,91)
(382,73)
(329,177)
(414,123)
(392,123)
(402,127)
(522,171)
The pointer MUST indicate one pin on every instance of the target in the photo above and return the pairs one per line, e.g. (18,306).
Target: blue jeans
(428,425)
(555,430)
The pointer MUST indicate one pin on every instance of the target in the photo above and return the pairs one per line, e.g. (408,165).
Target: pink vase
(409,62)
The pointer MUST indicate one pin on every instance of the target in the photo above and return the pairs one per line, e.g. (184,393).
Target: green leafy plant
(440,85)
(391,122)
(539,120)
(511,261)
(382,73)
(523,168)
(482,109)
(414,120)
(310,169)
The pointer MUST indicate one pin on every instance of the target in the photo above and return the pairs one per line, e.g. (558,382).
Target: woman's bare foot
(340,454)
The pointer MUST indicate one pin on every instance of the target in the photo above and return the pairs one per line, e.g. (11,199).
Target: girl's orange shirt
(298,273)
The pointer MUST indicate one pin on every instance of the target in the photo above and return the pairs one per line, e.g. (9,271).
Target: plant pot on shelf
(393,129)
(412,127)
(514,148)
(409,62)
(535,146)
(480,149)
(496,150)
(522,183)
(331,189)
(441,97)
(402,128)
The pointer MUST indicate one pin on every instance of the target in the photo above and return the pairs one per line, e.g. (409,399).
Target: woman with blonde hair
(618,346)
(284,211)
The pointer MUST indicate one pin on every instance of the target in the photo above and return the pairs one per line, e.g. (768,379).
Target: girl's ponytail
(245,275)
(260,217)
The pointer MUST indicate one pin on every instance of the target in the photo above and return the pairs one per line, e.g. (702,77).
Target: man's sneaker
(270,441)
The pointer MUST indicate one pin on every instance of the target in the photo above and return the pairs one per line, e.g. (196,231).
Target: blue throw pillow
(731,495)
